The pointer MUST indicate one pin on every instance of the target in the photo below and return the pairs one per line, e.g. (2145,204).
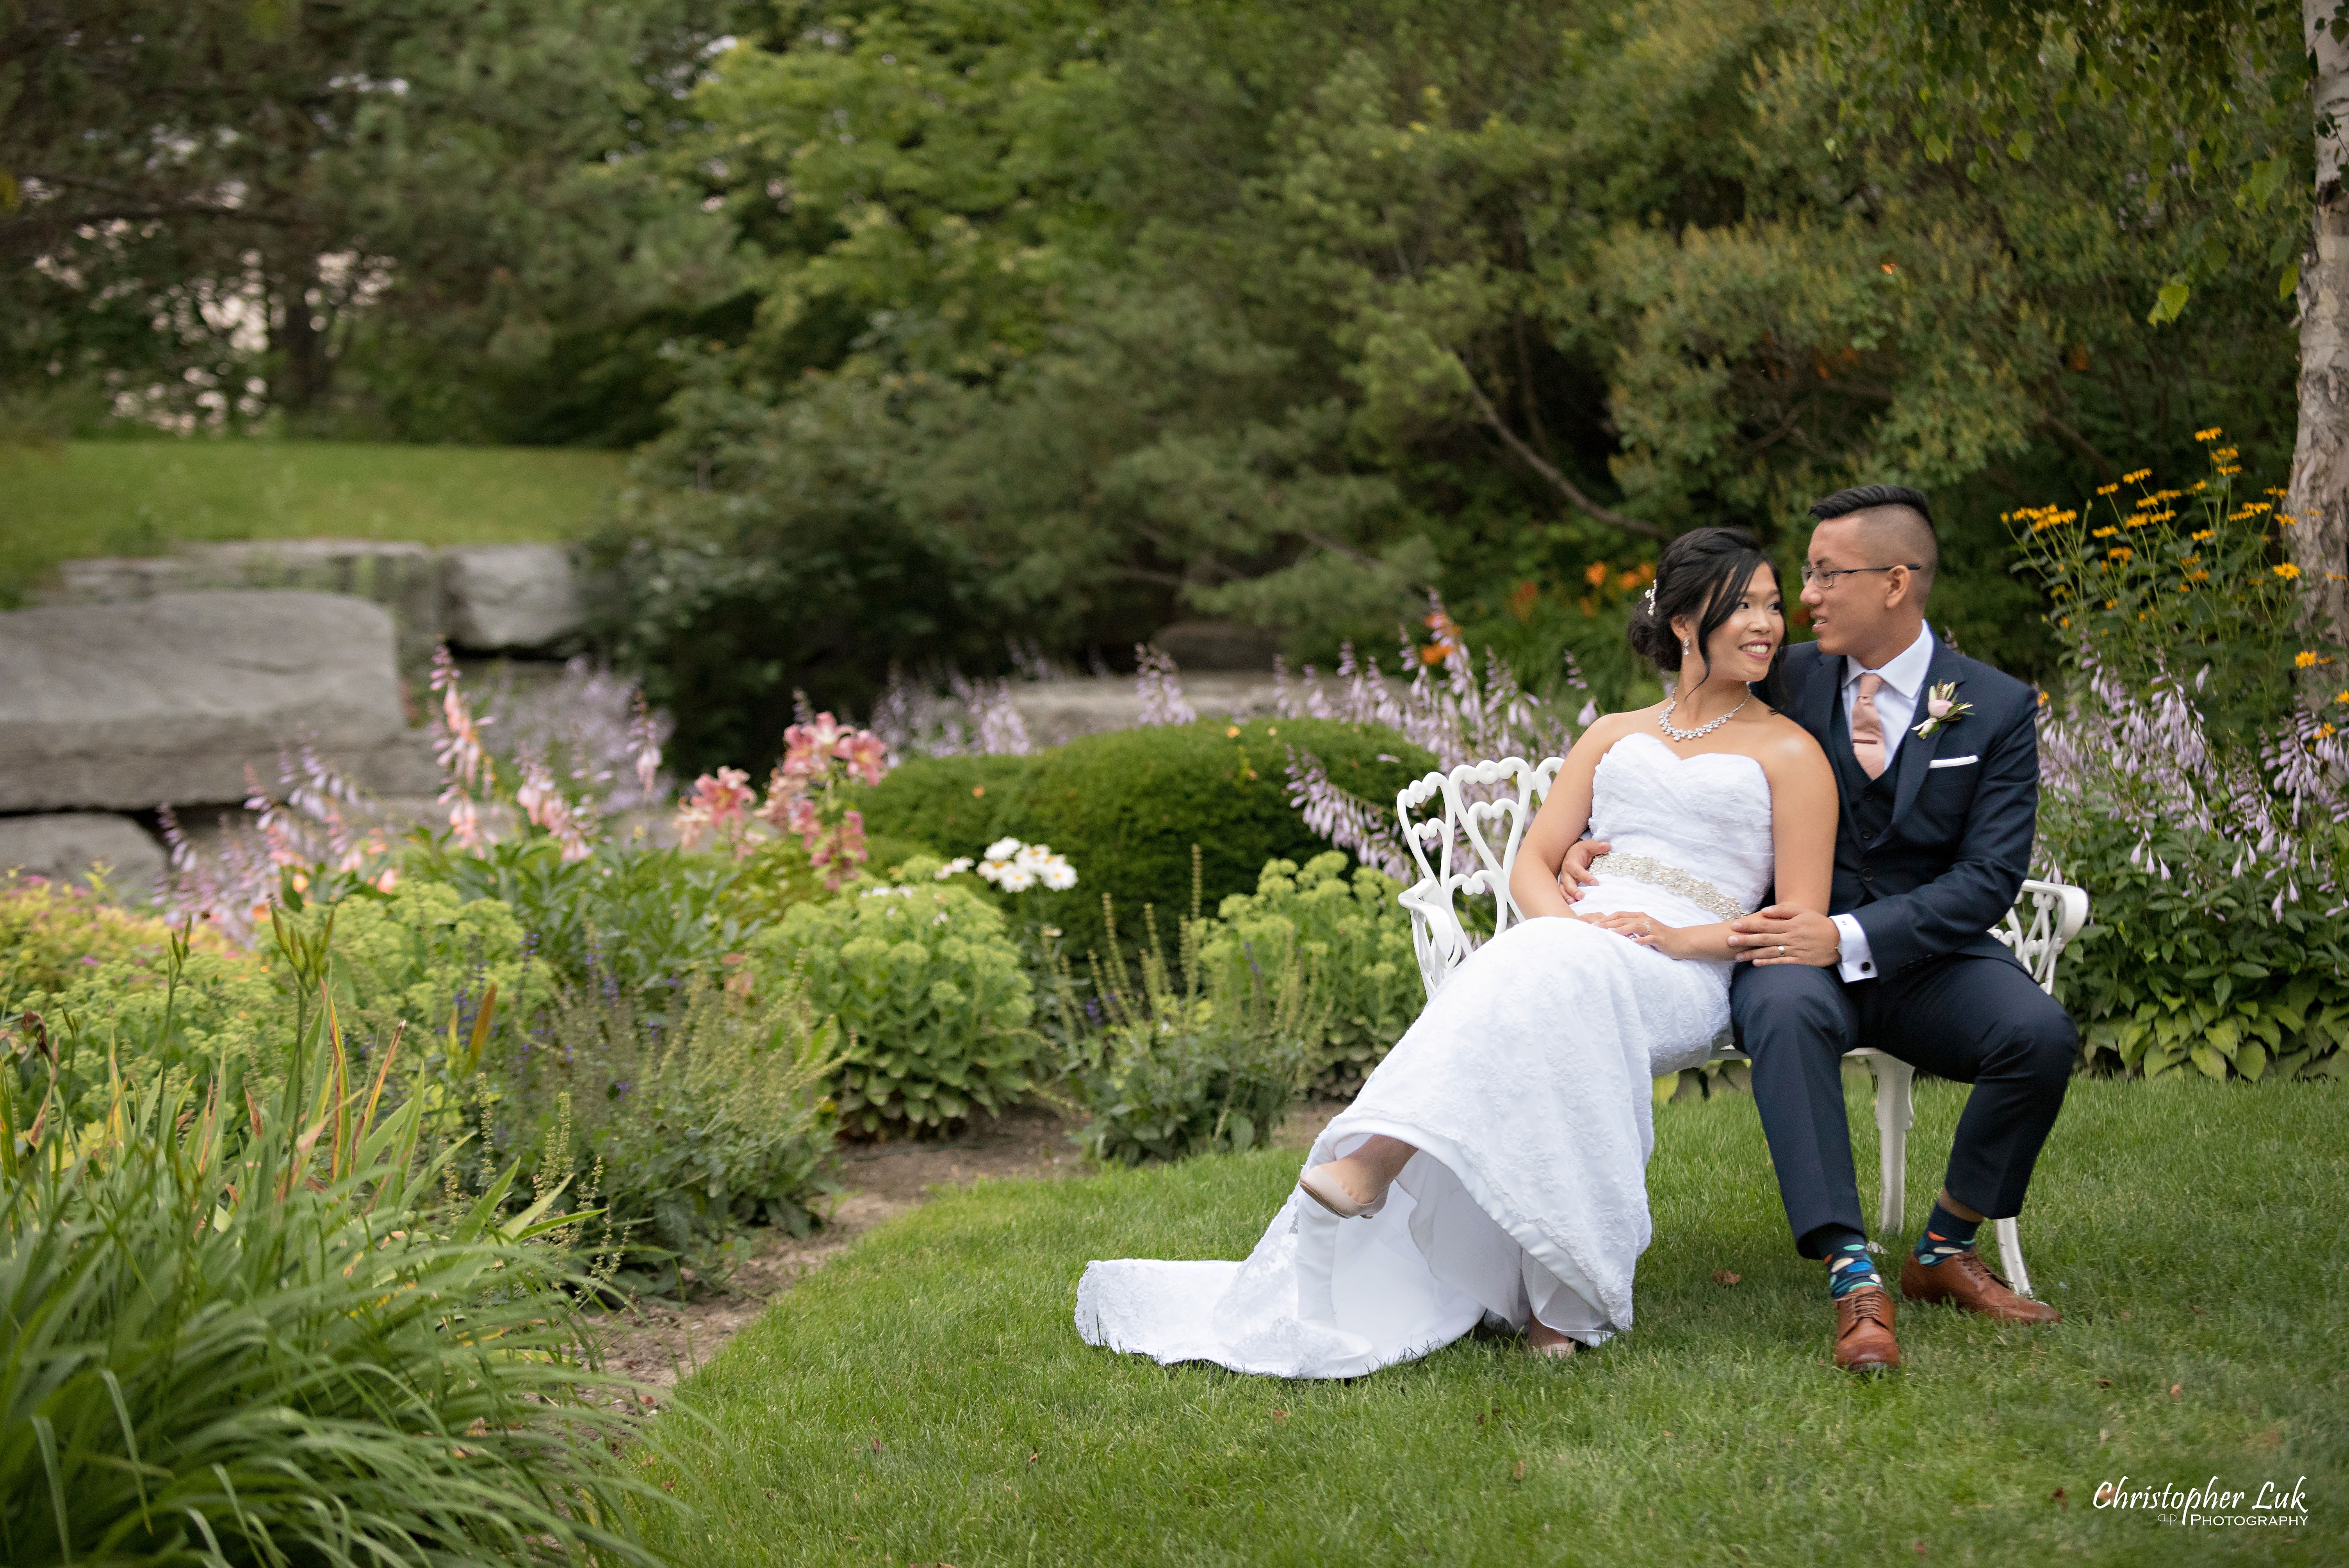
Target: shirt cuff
(1857,962)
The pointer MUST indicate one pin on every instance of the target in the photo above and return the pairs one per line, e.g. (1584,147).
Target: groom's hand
(1784,933)
(1575,869)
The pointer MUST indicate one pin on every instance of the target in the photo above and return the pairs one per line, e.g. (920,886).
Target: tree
(2228,82)
(211,196)
(1286,311)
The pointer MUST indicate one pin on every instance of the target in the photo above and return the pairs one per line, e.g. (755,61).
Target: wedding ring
(1782,950)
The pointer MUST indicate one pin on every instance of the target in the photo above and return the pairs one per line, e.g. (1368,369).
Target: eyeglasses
(1828,579)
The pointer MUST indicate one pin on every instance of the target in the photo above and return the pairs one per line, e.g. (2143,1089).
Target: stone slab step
(168,700)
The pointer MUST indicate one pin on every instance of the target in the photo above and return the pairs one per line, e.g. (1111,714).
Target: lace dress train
(1525,1088)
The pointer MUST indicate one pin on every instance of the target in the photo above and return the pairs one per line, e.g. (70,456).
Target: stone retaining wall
(485,598)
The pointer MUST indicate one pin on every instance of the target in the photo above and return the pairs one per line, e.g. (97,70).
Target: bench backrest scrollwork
(1473,837)
(1466,847)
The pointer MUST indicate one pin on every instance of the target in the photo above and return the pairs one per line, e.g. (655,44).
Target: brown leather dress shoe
(1864,1341)
(1965,1282)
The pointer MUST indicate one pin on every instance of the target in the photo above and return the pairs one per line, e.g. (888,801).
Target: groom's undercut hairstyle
(1898,521)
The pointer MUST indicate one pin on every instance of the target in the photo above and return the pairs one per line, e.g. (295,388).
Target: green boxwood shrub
(950,804)
(929,982)
(1126,807)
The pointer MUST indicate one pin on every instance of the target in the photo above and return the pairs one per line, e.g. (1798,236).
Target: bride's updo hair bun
(1702,575)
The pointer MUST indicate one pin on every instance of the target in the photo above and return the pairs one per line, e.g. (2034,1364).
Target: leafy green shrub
(683,1132)
(218,1011)
(283,1346)
(779,873)
(1547,638)
(52,933)
(950,804)
(932,990)
(1163,1086)
(1174,1073)
(425,958)
(1353,935)
(630,913)
(1126,808)
(181,1006)
(2198,968)
(790,557)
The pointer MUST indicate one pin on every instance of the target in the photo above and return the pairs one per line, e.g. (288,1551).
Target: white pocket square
(1954,761)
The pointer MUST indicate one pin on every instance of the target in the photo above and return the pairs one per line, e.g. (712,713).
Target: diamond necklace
(1665,721)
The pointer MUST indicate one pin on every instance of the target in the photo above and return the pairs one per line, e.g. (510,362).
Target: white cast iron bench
(2046,915)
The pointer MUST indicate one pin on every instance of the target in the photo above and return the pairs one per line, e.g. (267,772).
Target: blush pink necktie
(1866,728)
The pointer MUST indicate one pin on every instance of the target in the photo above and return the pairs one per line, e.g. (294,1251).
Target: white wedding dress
(1527,1087)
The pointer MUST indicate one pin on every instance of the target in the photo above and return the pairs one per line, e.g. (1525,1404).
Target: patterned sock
(1848,1267)
(1945,1236)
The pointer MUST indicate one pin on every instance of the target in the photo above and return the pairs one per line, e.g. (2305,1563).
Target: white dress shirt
(1896,699)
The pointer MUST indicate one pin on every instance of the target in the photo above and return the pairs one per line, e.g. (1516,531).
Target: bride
(1494,1164)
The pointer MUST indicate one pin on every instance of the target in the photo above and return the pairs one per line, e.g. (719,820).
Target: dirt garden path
(657,1342)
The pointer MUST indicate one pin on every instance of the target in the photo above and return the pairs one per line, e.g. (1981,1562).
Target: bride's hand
(1644,929)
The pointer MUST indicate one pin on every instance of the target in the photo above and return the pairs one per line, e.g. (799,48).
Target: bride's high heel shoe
(1544,1340)
(1331,1193)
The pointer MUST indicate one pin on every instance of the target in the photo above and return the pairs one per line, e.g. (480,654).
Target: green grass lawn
(925,1399)
(138,497)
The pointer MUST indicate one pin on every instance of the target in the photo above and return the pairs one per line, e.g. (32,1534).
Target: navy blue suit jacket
(1965,812)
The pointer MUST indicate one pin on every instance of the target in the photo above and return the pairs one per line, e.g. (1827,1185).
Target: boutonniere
(1942,707)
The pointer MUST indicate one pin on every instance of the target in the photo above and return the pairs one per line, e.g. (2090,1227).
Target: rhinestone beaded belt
(1671,879)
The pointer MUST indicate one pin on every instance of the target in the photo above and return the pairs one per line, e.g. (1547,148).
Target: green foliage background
(952,320)
(1071,319)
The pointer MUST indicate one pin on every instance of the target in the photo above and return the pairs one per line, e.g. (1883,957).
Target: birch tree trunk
(2319,542)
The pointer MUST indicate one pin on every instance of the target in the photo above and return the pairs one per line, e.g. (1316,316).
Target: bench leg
(1894,1113)
(2010,1253)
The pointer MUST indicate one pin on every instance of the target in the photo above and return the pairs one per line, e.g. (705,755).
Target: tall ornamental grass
(2193,781)
(248,1333)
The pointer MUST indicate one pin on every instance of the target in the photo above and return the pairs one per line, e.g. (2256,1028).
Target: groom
(1937,764)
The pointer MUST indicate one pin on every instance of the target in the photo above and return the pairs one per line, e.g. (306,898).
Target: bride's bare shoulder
(1609,728)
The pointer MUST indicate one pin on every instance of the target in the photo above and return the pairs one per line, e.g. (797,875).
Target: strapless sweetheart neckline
(1665,747)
